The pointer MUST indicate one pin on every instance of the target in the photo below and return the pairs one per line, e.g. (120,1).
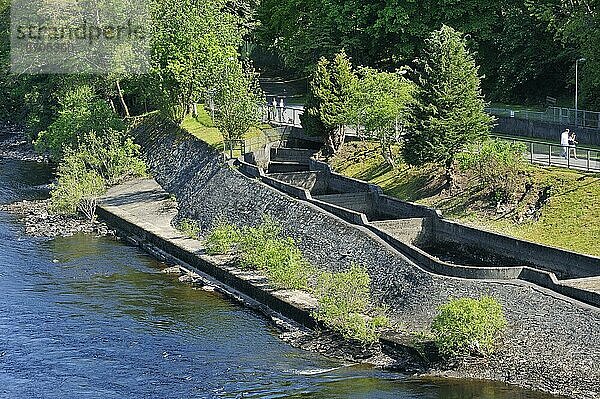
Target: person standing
(573,144)
(564,142)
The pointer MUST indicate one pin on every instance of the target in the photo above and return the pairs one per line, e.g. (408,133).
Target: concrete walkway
(141,206)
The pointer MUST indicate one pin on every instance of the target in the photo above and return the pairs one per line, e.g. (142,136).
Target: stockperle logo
(99,37)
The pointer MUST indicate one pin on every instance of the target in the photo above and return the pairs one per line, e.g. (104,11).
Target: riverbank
(145,213)
(550,344)
(14,144)
(34,214)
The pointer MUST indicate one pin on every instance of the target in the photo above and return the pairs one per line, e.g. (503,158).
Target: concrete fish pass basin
(422,234)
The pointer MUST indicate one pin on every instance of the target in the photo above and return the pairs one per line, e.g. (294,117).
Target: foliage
(263,248)
(497,165)
(468,326)
(343,304)
(576,24)
(327,104)
(222,239)
(450,107)
(381,104)
(77,187)
(113,155)
(191,40)
(238,100)
(189,228)
(519,56)
(81,112)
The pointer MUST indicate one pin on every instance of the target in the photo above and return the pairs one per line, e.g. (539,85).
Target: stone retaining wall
(552,343)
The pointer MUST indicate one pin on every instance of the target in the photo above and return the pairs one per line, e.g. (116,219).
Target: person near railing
(564,142)
(573,144)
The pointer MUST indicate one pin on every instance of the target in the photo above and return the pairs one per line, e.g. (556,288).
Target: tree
(327,105)
(191,40)
(237,100)
(381,105)
(450,107)
(576,23)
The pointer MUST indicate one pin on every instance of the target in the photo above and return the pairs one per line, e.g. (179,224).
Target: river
(85,317)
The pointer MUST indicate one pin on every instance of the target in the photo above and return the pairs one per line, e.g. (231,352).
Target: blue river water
(85,317)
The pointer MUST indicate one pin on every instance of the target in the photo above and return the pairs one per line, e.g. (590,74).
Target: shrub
(222,239)
(189,228)
(264,248)
(77,188)
(112,154)
(343,304)
(497,164)
(81,112)
(85,171)
(468,326)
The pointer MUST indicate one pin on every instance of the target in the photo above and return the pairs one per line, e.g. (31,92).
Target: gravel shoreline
(34,214)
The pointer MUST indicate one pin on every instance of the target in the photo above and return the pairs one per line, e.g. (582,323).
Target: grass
(343,298)
(203,128)
(569,219)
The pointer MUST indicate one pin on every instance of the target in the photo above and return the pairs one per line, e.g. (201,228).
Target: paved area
(145,204)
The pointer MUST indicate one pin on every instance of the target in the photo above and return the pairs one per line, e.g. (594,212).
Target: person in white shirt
(564,142)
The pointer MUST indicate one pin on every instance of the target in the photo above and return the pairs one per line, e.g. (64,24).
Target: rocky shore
(14,144)
(38,221)
(41,223)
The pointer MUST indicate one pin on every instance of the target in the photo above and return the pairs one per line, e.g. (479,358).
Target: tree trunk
(449,174)
(123,104)
(336,139)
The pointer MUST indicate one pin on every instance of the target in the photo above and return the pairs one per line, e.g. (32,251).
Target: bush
(81,112)
(263,248)
(77,188)
(343,304)
(497,164)
(468,326)
(113,155)
(222,239)
(97,162)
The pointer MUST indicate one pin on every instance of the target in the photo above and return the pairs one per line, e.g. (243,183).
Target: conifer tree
(326,107)
(450,107)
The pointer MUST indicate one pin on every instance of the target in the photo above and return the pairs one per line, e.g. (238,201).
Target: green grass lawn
(570,219)
(203,128)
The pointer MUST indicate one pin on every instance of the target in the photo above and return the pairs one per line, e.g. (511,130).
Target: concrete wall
(545,130)
(552,340)
(564,264)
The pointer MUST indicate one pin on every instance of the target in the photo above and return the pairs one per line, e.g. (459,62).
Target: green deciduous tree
(191,40)
(238,100)
(327,105)
(80,111)
(450,106)
(381,105)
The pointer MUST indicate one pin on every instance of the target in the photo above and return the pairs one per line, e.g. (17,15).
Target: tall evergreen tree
(450,106)
(329,97)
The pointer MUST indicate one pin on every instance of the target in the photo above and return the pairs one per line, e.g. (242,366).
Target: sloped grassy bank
(552,206)
(550,342)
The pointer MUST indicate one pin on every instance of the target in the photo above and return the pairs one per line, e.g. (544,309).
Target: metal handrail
(566,161)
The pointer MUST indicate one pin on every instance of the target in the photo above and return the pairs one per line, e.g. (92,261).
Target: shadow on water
(84,317)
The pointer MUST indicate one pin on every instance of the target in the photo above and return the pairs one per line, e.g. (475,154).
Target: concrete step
(287,167)
(359,202)
(408,231)
(588,283)
(299,155)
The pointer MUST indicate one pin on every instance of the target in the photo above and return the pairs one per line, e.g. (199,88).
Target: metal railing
(282,116)
(554,154)
(564,116)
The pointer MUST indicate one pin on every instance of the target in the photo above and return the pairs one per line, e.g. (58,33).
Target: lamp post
(577,87)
